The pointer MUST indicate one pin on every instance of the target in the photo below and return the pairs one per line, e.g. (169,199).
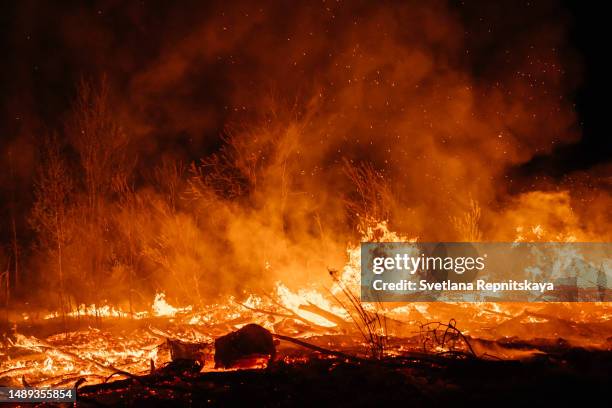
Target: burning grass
(100,343)
(134,359)
(97,349)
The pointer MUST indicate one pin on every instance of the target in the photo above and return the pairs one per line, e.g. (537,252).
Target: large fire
(196,171)
(118,342)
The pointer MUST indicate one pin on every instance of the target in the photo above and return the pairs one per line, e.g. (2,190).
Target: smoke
(411,111)
(440,105)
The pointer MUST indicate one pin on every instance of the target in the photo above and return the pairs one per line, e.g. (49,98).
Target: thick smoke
(313,119)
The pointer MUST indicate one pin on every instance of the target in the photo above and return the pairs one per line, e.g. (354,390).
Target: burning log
(250,341)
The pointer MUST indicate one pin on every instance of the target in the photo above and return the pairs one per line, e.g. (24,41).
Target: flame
(371,231)
(87,352)
(162,308)
(393,128)
(304,297)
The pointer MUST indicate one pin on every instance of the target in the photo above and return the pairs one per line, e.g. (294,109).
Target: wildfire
(162,308)
(97,311)
(155,214)
(95,353)
(304,297)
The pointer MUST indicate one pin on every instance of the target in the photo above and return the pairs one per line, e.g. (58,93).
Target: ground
(576,376)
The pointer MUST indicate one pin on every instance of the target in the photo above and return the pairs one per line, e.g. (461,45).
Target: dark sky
(49,45)
(588,32)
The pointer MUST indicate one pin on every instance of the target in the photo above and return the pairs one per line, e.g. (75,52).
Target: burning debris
(206,341)
(115,345)
(183,357)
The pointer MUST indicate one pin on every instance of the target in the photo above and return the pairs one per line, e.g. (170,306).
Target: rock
(246,343)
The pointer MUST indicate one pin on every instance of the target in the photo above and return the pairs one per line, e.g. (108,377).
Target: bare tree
(4,278)
(12,280)
(98,139)
(52,191)
(102,147)
(168,177)
(127,217)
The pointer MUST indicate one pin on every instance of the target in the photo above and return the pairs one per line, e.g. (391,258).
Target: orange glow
(221,178)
